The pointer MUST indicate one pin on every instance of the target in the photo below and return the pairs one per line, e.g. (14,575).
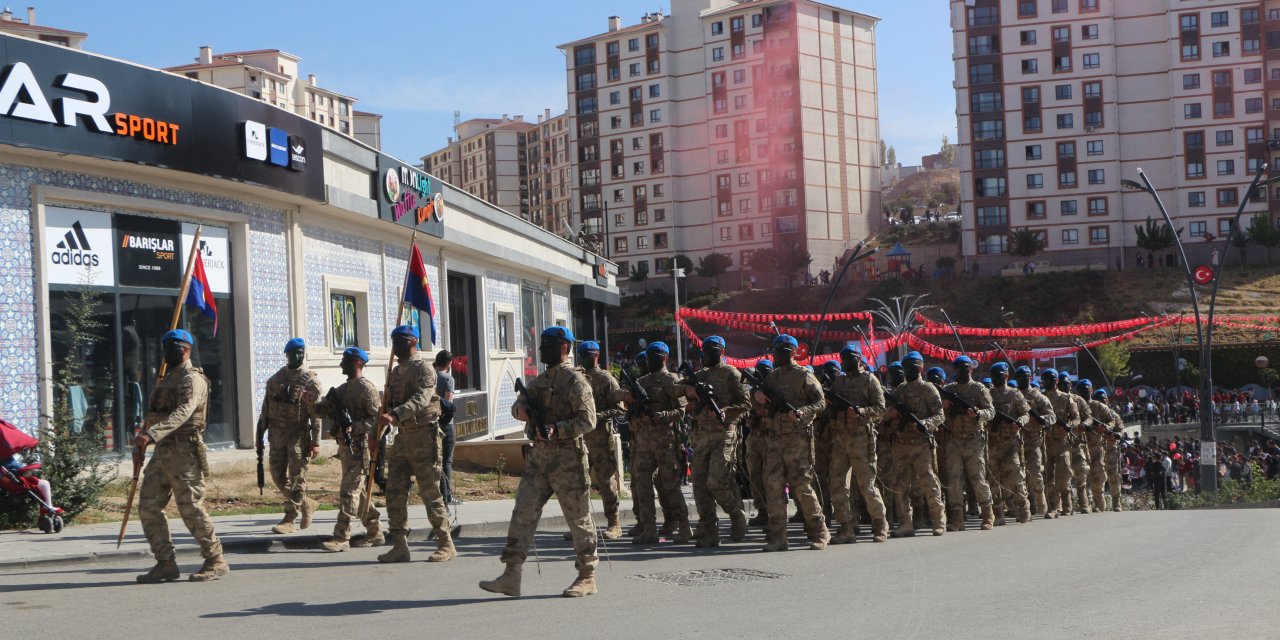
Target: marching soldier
(853,446)
(830,372)
(796,399)
(912,446)
(937,377)
(1058,444)
(557,411)
(1080,450)
(1004,448)
(1041,413)
(354,407)
(655,447)
(294,433)
(714,442)
(600,441)
(1104,419)
(756,447)
(176,420)
(967,446)
(1112,458)
(414,449)
(884,454)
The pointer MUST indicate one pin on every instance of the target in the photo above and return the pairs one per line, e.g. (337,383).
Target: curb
(271,544)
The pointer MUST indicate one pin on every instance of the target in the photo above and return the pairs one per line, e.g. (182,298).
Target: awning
(594,294)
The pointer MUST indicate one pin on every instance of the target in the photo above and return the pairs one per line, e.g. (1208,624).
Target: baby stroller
(19,481)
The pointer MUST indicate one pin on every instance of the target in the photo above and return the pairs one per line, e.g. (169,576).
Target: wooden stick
(164,369)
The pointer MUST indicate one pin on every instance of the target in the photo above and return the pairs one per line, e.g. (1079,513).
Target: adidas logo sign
(74,249)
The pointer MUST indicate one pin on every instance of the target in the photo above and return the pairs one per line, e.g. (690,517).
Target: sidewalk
(252,534)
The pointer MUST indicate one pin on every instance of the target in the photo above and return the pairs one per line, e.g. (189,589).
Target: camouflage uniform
(966,453)
(361,400)
(853,450)
(1104,420)
(291,430)
(655,450)
(789,455)
(558,466)
(1033,447)
(1059,441)
(757,444)
(913,454)
(414,451)
(1080,455)
(714,443)
(607,399)
(1004,451)
(1112,457)
(178,467)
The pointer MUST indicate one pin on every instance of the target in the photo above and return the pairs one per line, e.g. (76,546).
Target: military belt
(184,437)
(966,435)
(555,444)
(414,425)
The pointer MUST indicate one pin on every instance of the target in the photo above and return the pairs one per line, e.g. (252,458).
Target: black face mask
(911,371)
(402,348)
(296,357)
(999,378)
(656,361)
(589,359)
(348,367)
(852,365)
(782,356)
(963,374)
(895,377)
(551,351)
(711,356)
(174,353)
(1024,381)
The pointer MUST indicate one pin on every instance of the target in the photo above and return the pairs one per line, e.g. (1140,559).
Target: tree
(948,152)
(764,260)
(1261,232)
(1156,237)
(793,258)
(884,154)
(1268,377)
(640,272)
(892,156)
(1240,241)
(713,265)
(1113,358)
(681,261)
(1025,243)
(950,191)
(907,214)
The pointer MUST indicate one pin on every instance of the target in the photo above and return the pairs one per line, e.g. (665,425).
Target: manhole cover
(708,577)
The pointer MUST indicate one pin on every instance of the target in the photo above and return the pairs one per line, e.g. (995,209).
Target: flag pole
(164,369)
(376,434)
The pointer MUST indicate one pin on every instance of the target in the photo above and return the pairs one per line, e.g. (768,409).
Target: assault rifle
(536,415)
(341,421)
(262,473)
(906,412)
(706,395)
(642,404)
(776,401)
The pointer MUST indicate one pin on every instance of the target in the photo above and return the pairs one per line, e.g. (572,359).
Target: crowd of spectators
(1173,465)
(1181,405)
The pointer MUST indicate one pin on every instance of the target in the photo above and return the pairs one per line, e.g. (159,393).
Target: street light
(676,274)
(1204,335)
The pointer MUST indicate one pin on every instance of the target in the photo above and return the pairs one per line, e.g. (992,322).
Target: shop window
(464,331)
(344,321)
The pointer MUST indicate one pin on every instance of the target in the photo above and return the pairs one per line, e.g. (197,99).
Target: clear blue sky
(416,61)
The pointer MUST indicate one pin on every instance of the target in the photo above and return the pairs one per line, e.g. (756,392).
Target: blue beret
(178,335)
(589,345)
(1049,373)
(764,362)
(1023,369)
(963,359)
(357,353)
(659,347)
(1100,394)
(851,349)
(914,355)
(406,331)
(831,364)
(1000,366)
(785,340)
(936,370)
(895,365)
(294,344)
(1035,383)
(1013,384)
(558,331)
(715,341)
(1084,382)
(986,381)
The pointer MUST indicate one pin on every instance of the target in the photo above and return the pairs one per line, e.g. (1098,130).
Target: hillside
(940,186)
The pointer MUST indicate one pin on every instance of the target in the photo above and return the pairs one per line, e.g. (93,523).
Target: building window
(1253,135)
(1226,167)
(991,187)
(633,44)
(659,241)
(1036,210)
(344,320)
(746,232)
(586,105)
(1252,75)
(1094,147)
(739,76)
(1222,78)
(1191,111)
(988,159)
(1061,64)
(1066,149)
(726,234)
(1026,8)
(611,49)
(722,156)
(1253,105)
(584,56)
(1089,32)
(1190,81)
(654,67)
(984,16)
(1195,170)
(983,45)
(1028,37)
(1065,121)
(615,97)
(1097,206)
(1068,208)
(655,115)
(651,41)
(1189,22)
(1224,226)
(1199,229)
(1250,45)
(1219,19)
(1099,235)
(987,101)
(722,131)
(1066,179)
(744,205)
(992,216)
(993,244)
(1070,236)
(1221,49)
(642,218)
(717,28)
(1031,124)
(1035,181)
(637,168)
(1227,197)
(1190,52)
(1097,176)
(1033,152)
(1195,199)
(642,242)
(982,73)
(1062,34)
(1093,89)
(1062,92)
(634,69)
(1092,60)
(1225,138)
(1248,16)
(655,91)
(717,54)
(988,130)
(1058,6)
(739,102)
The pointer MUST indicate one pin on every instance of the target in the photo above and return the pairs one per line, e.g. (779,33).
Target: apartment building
(488,158)
(272,75)
(1058,100)
(727,126)
(550,174)
(13,25)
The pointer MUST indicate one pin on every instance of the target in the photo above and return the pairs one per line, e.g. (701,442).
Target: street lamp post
(676,274)
(1208,436)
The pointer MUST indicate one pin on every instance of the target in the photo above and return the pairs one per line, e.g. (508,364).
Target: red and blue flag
(200,294)
(417,291)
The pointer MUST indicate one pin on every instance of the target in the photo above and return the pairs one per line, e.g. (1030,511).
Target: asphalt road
(1173,574)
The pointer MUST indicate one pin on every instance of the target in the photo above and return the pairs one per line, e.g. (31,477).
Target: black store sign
(409,197)
(147,252)
(63,100)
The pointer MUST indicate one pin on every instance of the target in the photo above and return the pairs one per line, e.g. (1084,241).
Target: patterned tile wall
(332,253)
(560,306)
(504,290)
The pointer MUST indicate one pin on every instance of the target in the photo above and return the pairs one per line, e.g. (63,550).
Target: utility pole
(676,274)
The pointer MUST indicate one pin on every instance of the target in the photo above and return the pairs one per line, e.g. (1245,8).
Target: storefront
(108,170)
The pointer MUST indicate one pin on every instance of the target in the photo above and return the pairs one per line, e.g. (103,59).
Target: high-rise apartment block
(1058,100)
(728,126)
(271,75)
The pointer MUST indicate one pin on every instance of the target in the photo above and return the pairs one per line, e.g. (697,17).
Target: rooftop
(10,22)
(635,28)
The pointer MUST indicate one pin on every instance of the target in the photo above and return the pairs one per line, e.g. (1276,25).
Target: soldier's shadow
(358,607)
